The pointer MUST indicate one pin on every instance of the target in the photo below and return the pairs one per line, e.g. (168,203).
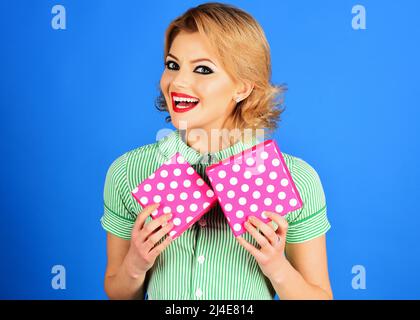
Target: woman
(216,80)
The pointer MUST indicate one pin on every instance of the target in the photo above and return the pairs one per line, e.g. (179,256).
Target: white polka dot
(219,187)
(273,175)
(193,207)
(177,172)
(157,199)
(190,171)
(152,176)
(222,174)
(245,187)
(197,194)
(231,194)
(250,161)
(144,200)
(267,201)
(135,190)
(279,208)
(172,233)
(259,181)
(200,182)
(264,155)
(187,183)
(177,221)
(282,195)
(236,168)
(247,174)
(239,214)
(180,208)
(293,202)
(183,196)
(210,193)
(166,210)
(180,159)
(242,201)
(228,219)
(237,227)
(263,215)
(160,186)
(233,181)
(284,182)
(256,194)
(261,168)
(205,205)
(154,212)
(189,219)
(147,187)
(275,162)
(228,207)
(174,184)
(170,197)
(164,173)
(253,207)
(270,188)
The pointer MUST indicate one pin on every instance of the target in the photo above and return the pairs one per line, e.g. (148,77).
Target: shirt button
(201,259)
(198,293)
(202,222)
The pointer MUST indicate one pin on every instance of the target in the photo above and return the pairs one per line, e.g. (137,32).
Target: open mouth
(183,104)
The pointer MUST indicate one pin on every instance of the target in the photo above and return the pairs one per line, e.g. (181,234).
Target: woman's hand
(270,256)
(142,252)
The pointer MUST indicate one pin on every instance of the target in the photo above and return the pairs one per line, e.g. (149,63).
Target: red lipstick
(182,102)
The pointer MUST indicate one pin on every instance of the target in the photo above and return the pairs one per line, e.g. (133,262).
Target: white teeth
(179,99)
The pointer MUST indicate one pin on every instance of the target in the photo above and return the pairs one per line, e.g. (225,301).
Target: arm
(305,272)
(130,260)
(120,281)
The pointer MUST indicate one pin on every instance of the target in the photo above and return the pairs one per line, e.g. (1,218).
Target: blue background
(73,100)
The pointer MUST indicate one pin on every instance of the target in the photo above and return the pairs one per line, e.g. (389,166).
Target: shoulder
(304,173)
(309,186)
(122,167)
(311,219)
(298,166)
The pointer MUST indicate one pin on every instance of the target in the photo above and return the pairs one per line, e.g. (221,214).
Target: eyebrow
(192,61)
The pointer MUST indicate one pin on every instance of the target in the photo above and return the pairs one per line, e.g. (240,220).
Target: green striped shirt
(206,261)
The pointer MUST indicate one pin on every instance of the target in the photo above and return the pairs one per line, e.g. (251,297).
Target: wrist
(282,273)
(130,268)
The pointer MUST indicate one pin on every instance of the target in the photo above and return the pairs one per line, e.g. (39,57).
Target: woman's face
(192,69)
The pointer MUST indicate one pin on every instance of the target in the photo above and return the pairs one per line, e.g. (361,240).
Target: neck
(210,141)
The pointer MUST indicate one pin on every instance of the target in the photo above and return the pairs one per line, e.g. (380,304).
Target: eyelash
(210,71)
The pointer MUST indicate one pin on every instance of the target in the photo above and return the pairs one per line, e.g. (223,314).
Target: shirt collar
(173,143)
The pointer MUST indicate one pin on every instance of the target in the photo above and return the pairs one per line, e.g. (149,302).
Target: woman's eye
(208,70)
(171,65)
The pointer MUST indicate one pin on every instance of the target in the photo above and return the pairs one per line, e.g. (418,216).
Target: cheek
(216,94)
(164,82)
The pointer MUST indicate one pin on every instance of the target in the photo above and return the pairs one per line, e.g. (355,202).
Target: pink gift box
(180,190)
(251,182)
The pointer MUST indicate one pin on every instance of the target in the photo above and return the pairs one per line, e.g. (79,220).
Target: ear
(244,89)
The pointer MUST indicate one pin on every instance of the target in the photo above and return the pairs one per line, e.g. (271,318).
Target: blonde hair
(244,52)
